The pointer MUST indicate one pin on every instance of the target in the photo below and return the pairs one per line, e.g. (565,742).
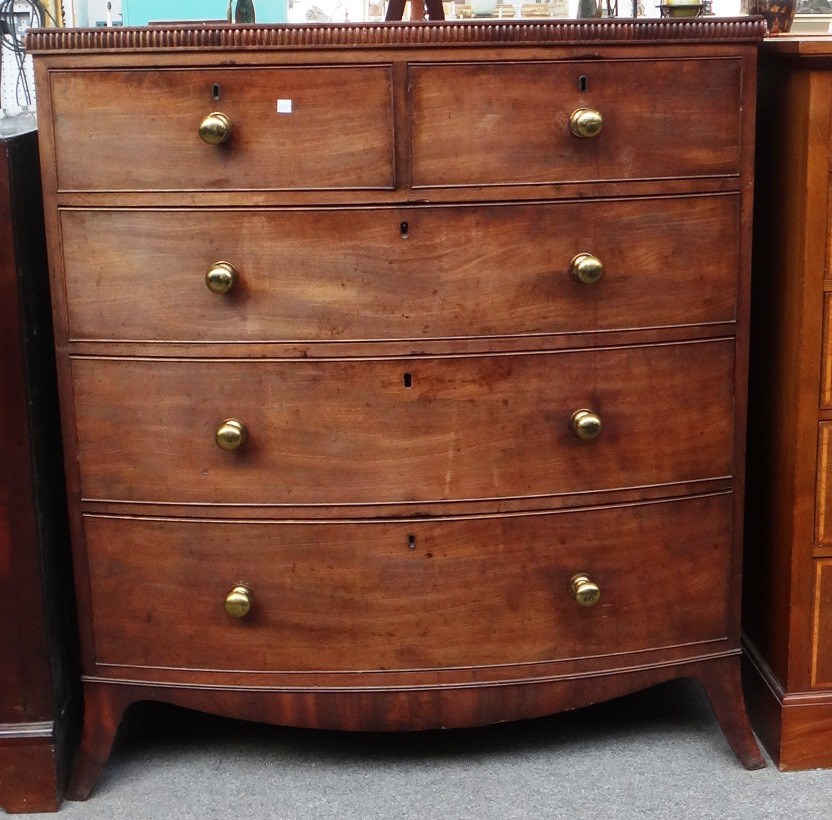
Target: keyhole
(404,227)
(582,82)
(408,380)
(411,542)
(215,91)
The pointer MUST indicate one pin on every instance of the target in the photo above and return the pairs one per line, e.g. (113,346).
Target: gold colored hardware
(231,434)
(585,591)
(221,277)
(585,122)
(238,602)
(585,424)
(215,128)
(586,268)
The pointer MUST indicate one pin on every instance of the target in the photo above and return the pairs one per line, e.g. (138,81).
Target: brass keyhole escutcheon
(585,424)
(238,601)
(215,128)
(231,434)
(586,268)
(584,590)
(585,122)
(221,277)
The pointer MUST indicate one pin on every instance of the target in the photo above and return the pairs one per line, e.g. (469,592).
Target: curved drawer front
(409,595)
(400,273)
(509,123)
(408,430)
(338,132)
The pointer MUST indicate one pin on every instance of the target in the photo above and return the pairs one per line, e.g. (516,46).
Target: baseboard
(28,771)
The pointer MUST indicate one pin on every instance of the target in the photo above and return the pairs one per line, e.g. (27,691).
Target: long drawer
(400,273)
(403,430)
(408,595)
(509,122)
(290,128)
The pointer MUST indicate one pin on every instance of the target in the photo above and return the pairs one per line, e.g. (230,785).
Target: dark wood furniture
(35,626)
(468,359)
(788,606)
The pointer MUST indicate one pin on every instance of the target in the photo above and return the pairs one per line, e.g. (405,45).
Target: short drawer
(403,430)
(408,595)
(509,122)
(826,355)
(145,128)
(823,502)
(400,273)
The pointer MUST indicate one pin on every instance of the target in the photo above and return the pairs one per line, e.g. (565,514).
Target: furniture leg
(103,709)
(722,684)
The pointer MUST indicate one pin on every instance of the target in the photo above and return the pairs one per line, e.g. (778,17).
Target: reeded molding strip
(380,35)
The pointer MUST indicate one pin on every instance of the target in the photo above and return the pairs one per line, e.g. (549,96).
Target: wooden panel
(823,512)
(138,129)
(496,123)
(347,274)
(324,432)
(826,358)
(821,642)
(366,596)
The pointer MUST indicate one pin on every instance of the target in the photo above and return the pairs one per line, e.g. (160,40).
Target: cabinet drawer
(822,625)
(408,595)
(139,129)
(408,430)
(508,123)
(358,274)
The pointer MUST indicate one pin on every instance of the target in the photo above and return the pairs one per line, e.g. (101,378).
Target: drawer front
(823,503)
(826,359)
(409,430)
(141,127)
(408,595)
(509,123)
(357,274)
(822,625)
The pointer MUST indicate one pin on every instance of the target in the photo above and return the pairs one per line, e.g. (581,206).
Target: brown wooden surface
(345,432)
(496,123)
(354,596)
(788,499)
(339,134)
(475,456)
(450,273)
(34,645)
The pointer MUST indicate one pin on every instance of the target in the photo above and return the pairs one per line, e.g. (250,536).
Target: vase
(778,14)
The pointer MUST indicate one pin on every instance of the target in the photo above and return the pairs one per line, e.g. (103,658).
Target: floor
(656,754)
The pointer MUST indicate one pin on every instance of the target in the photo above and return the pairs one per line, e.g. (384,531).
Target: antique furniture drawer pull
(586,268)
(584,590)
(585,424)
(238,602)
(221,277)
(231,434)
(215,128)
(585,122)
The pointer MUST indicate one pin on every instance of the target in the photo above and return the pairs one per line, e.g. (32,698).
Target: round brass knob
(586,268)
(238,602)
(585,424)
(585,122)
(584,590)
(221,277)
(231,434)
(215,128)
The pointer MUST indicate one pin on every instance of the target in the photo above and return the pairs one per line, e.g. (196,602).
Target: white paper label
(284,106)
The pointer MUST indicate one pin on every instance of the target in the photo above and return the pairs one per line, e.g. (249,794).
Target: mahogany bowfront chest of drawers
(403,366)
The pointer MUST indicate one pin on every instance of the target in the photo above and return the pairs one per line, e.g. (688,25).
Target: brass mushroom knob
(585,122)
(231,434)
(215,128)
(584,590)
(585,424)
(221,277)
(238,602)
(586,268)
